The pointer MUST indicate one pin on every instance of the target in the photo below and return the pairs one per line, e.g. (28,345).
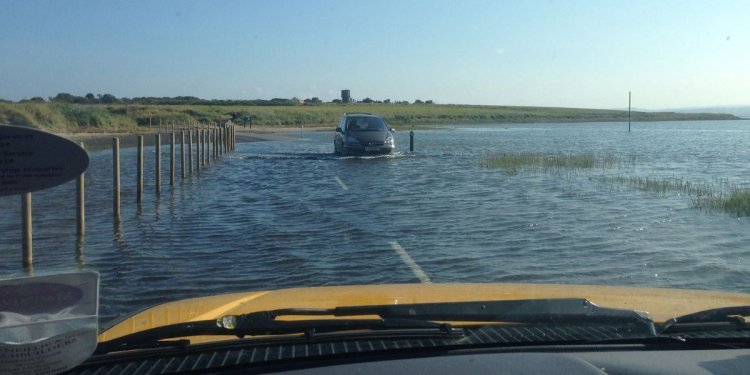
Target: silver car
(363,134)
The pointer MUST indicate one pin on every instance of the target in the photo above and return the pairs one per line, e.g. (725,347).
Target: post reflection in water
(80,259)
(171,207)
(119,236)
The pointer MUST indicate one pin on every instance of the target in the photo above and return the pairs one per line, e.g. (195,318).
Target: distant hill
(739,111)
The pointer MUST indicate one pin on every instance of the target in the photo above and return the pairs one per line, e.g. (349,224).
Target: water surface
(284,214)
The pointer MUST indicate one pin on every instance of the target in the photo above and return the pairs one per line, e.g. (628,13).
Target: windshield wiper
(723,318)
(421,318)
(264,323)
(533,311)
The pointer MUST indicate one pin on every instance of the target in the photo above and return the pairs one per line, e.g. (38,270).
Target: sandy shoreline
(99,141)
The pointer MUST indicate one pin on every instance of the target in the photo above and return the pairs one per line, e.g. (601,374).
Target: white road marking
(341,183)
(410,262)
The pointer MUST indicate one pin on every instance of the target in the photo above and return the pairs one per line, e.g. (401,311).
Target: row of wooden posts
(210,143)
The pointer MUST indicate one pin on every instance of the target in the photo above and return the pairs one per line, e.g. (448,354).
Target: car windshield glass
(364,124)
(263,155)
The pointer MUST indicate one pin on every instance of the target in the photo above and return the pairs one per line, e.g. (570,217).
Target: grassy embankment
(730,199)
(61,117)
(75,118)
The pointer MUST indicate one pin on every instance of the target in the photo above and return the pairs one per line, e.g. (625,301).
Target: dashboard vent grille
(249,353)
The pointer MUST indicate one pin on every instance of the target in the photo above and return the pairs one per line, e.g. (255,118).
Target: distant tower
(346,96)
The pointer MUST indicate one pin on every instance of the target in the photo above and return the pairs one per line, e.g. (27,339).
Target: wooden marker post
(209,149)
(158,164)
(139,176)
(190,151)
(27,233)
(81,204)
(198,154)
(172,159)
(182,153)
(116,177)
(204,134)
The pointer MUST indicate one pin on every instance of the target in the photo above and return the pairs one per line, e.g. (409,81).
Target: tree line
(150,100)
(192,100)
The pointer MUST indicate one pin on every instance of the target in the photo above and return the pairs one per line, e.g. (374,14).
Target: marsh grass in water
(735,202)
(718,196)
(703,196)
(512,163)
(660,185)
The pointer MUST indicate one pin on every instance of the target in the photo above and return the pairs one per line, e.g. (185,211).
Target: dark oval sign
(32,160)
(37,298)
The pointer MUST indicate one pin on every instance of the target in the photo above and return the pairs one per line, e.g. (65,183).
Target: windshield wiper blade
(723,318)
(564,311)
(531,311)
(264,323)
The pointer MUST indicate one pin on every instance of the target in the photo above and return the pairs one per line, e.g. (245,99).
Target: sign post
(32,160)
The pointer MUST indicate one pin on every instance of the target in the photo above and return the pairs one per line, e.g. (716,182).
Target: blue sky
(589,54)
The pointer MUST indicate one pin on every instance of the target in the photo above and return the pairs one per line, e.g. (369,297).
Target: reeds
(660,185)
(512,163)
(719,196)
(735,202)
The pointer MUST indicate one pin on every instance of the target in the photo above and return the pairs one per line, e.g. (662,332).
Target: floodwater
(286,214)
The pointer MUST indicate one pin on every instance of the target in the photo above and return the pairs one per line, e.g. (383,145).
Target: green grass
(122,117)
(55,117)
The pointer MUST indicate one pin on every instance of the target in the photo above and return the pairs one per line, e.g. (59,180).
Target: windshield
(365,124)
(542,143)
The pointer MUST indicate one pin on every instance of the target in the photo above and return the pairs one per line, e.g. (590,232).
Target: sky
(588,54)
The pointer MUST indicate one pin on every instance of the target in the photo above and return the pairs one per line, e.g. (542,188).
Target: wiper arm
(533,311)
(264,323)
(409,316)
(722,318)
